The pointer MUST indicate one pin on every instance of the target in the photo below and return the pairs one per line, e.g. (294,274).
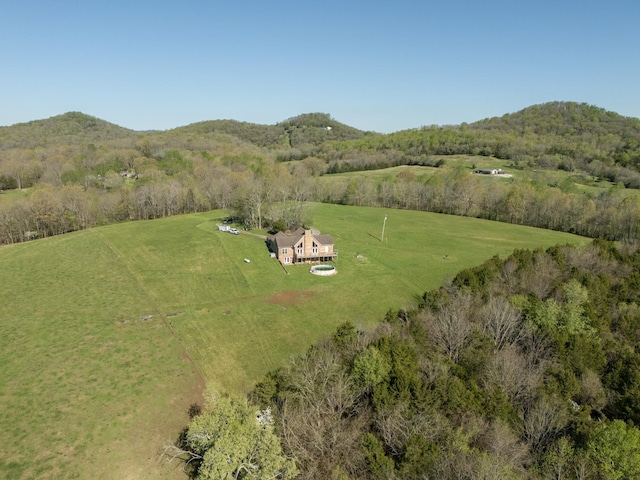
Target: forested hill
(563,118)
(72,128)
(316,128)
(310,130)
(582,131)
(557,135)
(563,135)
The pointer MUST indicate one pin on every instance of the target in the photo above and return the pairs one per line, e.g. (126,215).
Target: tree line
(611,214)
(97,190)
(258,193)
(126,175)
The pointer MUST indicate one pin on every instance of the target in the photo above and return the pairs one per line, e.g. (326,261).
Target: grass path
(125,261)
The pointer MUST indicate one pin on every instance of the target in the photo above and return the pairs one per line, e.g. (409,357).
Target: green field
(10,196)
(579,181)
(107,333)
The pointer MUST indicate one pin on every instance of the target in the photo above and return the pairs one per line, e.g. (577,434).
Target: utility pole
(383,225)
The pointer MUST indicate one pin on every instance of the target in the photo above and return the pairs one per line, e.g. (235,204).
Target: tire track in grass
(264,340)
(207,344)
(234,270)
(154,298)
(266,343)
(242,283)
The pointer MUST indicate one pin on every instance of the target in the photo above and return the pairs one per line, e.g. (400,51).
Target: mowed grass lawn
(99,328)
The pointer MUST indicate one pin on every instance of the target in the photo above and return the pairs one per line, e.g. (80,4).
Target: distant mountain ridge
(562,118)
(68,128)
(569,132)
(305,129)
(79,128)
(554,135)
(306,132)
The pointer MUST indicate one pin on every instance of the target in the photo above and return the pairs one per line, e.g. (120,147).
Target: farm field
(108,333)
(581,182)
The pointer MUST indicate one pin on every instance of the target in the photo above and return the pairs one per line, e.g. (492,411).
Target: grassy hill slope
(99,326)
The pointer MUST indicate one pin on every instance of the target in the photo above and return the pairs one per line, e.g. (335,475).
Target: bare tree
(320,420)
(493,202)
(542,420)
(509,276)
(536,347)
(512,372)
(23,167)
(540,281)
(47,211)
(215,183)
(398,423)
(465,195)
(508,454)
(75,201)
(451,327)
(588,259)
(501,322)
(57,161)
(14,221)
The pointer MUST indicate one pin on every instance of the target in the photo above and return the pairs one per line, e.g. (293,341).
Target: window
(314,248)
(285,251)
(287,259)
(299,249)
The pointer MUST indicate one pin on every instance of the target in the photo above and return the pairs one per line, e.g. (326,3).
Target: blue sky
(375,65)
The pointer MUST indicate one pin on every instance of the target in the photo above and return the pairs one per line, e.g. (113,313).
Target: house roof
(283,240)
(324,239)
(290,239)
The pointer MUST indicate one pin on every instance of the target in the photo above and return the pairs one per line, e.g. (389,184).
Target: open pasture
(92,381)
(105,332)
(238,320)
(453,164)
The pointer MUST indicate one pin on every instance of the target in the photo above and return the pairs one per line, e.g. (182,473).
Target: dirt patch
(292,297)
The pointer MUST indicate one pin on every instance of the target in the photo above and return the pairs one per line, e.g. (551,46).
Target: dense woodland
(82,171)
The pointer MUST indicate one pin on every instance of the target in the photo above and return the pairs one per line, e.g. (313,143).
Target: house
(301,246)
(492,171)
